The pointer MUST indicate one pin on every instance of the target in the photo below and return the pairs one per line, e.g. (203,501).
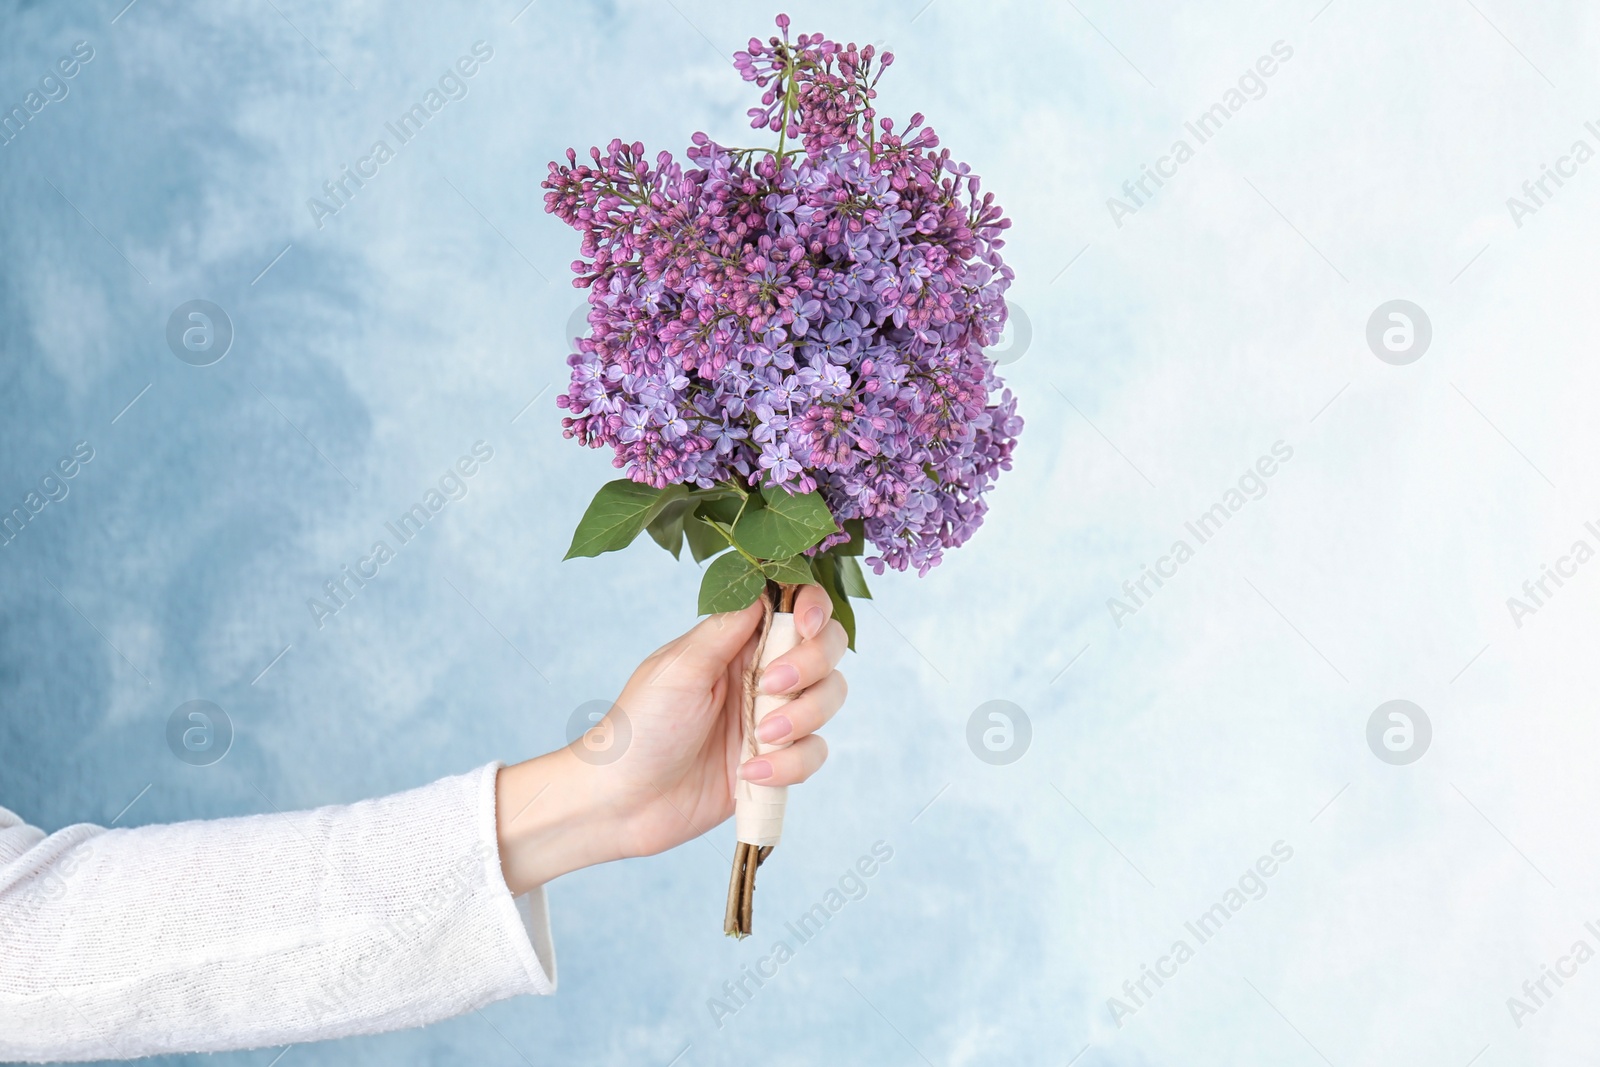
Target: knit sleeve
(263,930)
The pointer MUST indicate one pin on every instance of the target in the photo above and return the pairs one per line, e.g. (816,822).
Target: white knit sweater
(263,930)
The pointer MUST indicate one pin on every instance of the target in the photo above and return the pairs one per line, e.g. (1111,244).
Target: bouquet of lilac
(786,345)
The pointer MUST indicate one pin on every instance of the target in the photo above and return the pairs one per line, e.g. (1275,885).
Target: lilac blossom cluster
(809,317)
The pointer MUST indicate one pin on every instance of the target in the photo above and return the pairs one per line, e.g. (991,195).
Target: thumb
(703,654)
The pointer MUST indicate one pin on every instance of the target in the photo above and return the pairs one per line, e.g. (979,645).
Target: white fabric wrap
(758,809)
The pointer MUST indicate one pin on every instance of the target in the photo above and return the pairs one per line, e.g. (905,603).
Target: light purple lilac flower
(808,316)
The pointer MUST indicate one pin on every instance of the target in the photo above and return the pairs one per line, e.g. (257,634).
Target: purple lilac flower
(810,318)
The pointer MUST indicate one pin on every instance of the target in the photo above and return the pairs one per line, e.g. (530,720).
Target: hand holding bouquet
(786,356)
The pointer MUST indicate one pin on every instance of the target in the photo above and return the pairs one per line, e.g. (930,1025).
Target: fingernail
(756,770)
(813,622)
(779,679)
(774,728)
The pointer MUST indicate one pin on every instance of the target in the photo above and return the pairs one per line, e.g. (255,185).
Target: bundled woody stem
(736,920)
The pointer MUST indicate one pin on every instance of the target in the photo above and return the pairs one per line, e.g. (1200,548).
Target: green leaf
(851,581)
(827,576)
(616,515)
(792,570)
(667,527)
(724,509)
(731,582)
(857,529)
(786,526)
(704,541)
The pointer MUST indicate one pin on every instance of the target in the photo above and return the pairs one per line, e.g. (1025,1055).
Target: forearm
(554,814)
(240,933)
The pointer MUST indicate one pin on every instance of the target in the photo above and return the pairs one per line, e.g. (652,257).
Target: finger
(807,663)
(787,766)
(702,655)
(806,713)
(812,608)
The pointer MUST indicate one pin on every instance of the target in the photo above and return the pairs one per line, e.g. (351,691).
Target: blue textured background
(1170,348)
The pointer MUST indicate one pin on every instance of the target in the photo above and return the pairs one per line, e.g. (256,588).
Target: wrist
(552,816)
